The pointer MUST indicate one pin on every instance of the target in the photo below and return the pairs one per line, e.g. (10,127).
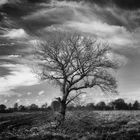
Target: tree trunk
(63,110)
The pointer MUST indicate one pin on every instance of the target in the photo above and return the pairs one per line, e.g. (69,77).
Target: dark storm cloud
(35,16)
(10,50)
(4,71)
(125,4)
(38,1)
(128,4)
(12,29)
(17,10)
(10,46)
(115,20)
(11,14)
(44,18)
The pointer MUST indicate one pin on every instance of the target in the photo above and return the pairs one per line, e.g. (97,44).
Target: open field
(84,125)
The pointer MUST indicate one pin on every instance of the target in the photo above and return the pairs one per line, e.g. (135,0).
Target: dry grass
(85,125)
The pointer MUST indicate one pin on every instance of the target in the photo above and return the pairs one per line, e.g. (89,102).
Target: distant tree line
(118,104)
(22,108)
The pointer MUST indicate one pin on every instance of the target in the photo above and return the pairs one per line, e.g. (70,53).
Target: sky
(24,22)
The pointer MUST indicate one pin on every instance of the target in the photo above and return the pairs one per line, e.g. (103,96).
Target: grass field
(84,125)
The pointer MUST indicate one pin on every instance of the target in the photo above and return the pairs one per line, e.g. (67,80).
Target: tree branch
(70,100)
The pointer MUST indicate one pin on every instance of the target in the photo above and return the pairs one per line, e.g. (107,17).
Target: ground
(83,125)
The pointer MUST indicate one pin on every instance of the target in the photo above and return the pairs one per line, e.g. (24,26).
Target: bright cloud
(16,34)
(71,4)
(41,93)
(36,100)
(115,35)
(91,19)
(18,100)
(19,95)
(20,75)
(29,93)
(5,101)
(3,2)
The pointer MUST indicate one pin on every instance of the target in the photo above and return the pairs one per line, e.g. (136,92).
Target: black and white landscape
(69,69)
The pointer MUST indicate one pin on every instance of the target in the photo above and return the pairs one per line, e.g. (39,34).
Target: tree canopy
(76,62)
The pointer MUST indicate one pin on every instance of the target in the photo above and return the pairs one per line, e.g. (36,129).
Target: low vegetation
(85,125)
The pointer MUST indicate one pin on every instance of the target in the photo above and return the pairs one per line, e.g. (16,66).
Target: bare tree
(75,62)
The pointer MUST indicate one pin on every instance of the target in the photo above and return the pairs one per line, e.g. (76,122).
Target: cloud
(118,27)
(29,93)
(18,100)
(97,26)
(3,2)
(20,75)
(128,4)
(4,71)
(115,35)
(105,19)
(79,13)
(41,93)
(16,34)
(5,101)
(124,4)
(116,57)
(57,13)
(27,102)
(110,23)
(71,4)
(19,95)
(47,17)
